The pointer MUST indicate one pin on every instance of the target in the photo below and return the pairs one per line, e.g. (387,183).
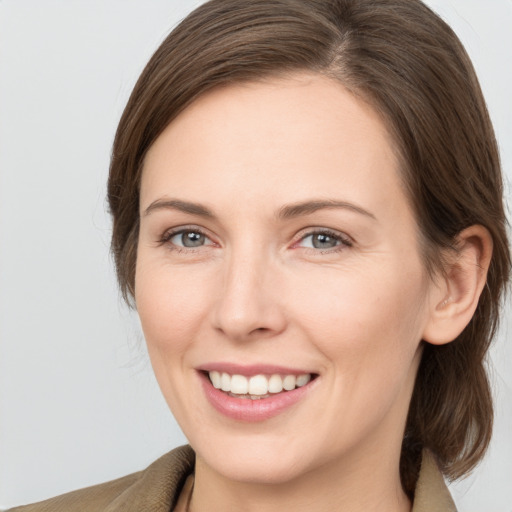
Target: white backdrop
(76,387)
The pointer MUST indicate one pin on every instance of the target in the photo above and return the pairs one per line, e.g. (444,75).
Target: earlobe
(456,292)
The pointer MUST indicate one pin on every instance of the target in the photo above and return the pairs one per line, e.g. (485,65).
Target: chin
(254,459)
(264,470)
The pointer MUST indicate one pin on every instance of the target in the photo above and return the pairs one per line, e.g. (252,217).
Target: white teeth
(257,386)
(225,382)
(275,384)
(289,382)
(302,380)
(215,378)
(239,385)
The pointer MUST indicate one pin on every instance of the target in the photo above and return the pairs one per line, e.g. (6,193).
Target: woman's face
(277,246)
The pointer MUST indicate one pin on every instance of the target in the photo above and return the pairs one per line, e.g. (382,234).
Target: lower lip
(246,409)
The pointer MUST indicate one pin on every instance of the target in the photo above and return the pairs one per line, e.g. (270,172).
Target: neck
(358,483)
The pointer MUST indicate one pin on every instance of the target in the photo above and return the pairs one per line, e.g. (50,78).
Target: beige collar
(431,494)
(166,485)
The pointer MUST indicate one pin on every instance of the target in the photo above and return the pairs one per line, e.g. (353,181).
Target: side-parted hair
(409,65)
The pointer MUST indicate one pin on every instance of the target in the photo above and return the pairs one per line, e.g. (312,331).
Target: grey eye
(189,239)
(320,241)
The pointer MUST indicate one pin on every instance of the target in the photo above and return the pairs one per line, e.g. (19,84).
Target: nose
(248,305)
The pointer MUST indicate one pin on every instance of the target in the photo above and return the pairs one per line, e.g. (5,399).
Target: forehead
(303,134)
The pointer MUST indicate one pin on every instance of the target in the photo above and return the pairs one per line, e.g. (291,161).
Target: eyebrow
(308,207)
(182,206)
(286,212)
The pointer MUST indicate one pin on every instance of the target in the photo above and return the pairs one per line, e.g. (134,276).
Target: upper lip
(251,369)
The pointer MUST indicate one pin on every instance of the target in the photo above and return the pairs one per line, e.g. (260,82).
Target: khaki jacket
(156,489)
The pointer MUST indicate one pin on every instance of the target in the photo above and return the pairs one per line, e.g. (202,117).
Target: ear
(455,294)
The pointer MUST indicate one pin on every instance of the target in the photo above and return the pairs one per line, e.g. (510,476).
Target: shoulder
(154,489)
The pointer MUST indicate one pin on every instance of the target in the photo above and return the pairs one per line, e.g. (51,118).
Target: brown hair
(404,60)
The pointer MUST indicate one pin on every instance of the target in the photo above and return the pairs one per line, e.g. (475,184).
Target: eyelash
(344,241)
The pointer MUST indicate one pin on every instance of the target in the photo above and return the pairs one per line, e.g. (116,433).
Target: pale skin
(306,254)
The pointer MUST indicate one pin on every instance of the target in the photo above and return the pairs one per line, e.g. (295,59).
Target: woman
(304,197)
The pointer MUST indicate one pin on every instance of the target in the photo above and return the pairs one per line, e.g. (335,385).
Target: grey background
(78,402)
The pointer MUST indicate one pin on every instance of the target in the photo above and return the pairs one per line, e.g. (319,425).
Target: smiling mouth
(258,386)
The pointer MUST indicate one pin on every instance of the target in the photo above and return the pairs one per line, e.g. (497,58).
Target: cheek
(171,304)
(366,322)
